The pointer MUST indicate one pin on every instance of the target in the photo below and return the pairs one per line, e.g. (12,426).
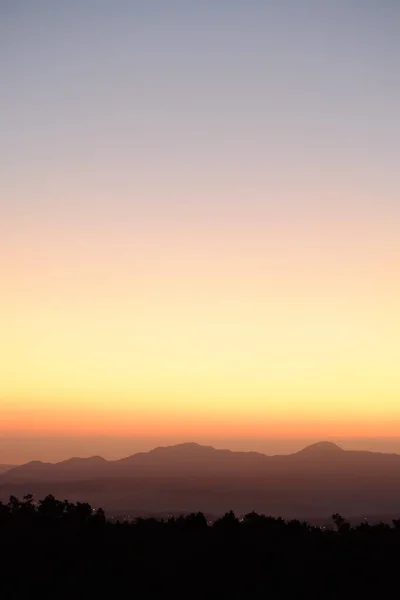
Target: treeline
(58,549)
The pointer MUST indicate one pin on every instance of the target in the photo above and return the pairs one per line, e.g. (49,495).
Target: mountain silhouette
(321,449)
(316,481)
(4,468)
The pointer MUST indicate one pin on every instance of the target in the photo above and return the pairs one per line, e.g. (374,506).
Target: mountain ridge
(189,452)
(4,468)
(181,448)
(317,481)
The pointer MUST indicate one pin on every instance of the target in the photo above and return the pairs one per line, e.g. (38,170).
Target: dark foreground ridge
(61,550)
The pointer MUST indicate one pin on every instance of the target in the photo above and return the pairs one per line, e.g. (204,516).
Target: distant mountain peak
(321,448)
(77,460)
(184,447)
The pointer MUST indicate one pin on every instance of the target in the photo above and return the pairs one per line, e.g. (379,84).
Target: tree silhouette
(341,524)
(61,549)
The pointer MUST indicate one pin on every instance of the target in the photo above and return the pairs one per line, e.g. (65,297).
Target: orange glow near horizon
(186,429)
(192,333)
(199,238)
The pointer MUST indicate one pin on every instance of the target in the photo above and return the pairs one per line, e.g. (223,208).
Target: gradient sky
(200,218)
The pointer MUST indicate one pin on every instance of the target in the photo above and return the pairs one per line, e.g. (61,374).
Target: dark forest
(58,549)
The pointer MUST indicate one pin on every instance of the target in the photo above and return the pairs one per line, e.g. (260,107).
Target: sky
(199,220)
